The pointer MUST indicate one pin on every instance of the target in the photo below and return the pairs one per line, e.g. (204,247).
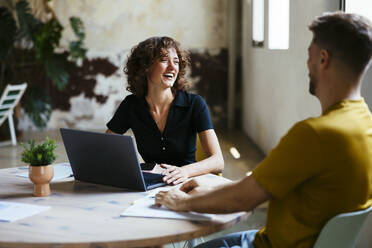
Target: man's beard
(312,87)
(312,84)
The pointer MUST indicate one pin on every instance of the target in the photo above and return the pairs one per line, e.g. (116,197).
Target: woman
(163,116)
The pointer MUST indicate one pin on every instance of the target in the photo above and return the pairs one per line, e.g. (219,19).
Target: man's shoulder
(323,125)
(301,130)
(318,128)
(339,126)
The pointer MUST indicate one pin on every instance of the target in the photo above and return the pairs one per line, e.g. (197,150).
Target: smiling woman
(163,116)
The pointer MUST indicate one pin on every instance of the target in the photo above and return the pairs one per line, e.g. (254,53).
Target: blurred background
(248,62)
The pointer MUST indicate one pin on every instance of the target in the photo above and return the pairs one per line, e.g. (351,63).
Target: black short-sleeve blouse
(187,116)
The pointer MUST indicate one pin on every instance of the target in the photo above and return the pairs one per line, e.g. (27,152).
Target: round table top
(88,215)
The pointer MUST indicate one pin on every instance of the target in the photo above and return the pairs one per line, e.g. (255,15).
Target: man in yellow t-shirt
(322,167)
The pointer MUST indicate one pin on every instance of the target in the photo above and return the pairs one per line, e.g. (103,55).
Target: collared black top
(187,116)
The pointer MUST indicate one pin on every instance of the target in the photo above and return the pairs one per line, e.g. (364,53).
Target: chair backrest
(200,154)
(10,98)
(342,230)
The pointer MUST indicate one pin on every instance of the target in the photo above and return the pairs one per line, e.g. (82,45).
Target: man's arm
(243,195)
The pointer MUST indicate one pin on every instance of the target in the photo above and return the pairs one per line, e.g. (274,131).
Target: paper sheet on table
(144,207)
(12,211)
(61,171)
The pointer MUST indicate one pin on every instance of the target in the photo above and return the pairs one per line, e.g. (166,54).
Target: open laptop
(108,159)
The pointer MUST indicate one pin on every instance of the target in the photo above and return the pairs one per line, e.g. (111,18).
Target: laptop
(108,159)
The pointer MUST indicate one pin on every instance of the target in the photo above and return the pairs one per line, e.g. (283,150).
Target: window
(258,22)
(278,24)
(361,7)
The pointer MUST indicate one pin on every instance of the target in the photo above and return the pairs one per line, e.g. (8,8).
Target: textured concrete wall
(113,27)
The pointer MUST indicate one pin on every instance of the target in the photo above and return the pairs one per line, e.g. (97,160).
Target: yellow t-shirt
(320,168)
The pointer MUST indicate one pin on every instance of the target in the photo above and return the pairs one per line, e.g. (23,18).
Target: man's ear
(325,59)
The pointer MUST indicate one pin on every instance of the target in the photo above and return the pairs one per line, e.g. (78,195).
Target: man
(322,166)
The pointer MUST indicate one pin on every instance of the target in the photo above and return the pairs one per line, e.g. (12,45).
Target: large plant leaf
(78,27)
(28,24)
(38,106)
(56,68)
(47,39)
(8,31)
(77,49)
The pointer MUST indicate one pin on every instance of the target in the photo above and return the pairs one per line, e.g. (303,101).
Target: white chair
(342,230)
(9,99)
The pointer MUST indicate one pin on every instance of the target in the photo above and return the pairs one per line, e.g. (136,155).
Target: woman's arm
(109,131)
(212,164)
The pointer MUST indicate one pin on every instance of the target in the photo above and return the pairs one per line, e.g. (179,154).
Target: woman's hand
(174,174)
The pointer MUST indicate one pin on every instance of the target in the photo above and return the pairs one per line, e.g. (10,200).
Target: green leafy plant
(41,154)
(28,53)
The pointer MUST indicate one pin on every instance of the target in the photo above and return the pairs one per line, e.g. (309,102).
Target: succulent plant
(41,154)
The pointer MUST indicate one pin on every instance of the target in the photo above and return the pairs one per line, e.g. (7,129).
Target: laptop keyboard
(153,179)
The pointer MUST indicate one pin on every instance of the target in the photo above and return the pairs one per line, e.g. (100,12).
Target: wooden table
(88,215)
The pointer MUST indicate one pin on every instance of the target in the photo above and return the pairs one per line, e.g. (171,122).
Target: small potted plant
(40,158)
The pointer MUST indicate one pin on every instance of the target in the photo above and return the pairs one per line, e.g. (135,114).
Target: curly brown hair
(144,54)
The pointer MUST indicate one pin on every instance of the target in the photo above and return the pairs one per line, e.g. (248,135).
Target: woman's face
(164,71)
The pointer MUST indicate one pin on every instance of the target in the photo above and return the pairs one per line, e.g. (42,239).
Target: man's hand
(174,199)
(195,186)
(174,174)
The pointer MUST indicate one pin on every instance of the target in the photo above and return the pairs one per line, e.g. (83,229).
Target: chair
(9,99)
(200,154)
(342,230)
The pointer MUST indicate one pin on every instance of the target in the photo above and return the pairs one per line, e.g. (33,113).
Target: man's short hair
(348,38)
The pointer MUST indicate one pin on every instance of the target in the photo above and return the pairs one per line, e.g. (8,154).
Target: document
(12,211)
(145,207)
(61,171)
